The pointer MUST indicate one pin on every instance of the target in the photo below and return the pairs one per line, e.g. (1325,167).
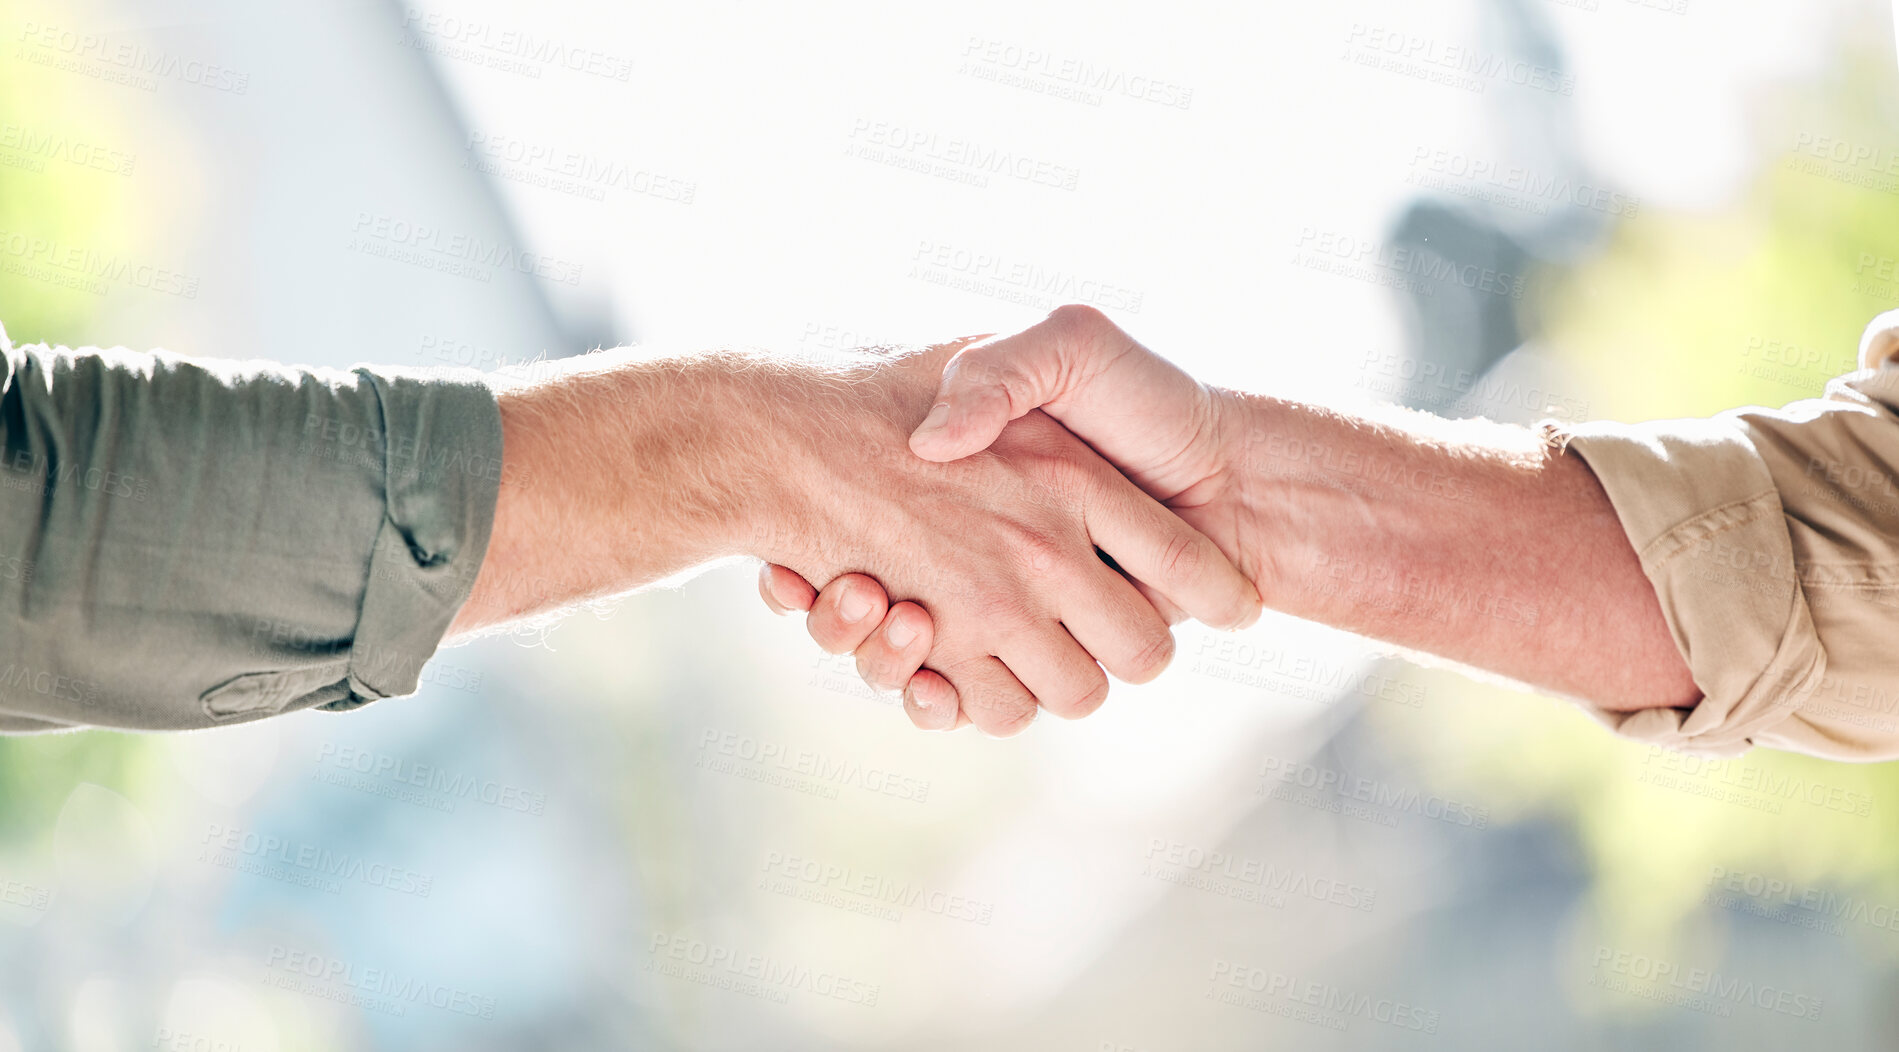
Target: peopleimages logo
(17,678)
(1397,375)
(1512,184)
(1657,979)
(1295,673)
(507,48)
(923,150)
(15,893)
(435,248)
(235,848)
(1419,262)
(1318,1003)
(87,269)
(729,752)
(380,983)
(31,143)
(571,172)
(449,783)
(803,873)
(1782,900)
(1479,68)
(1741,781)
(990,273)
(143,66)
(1066,76)
(753,974)
(1221,872)
(1372,791)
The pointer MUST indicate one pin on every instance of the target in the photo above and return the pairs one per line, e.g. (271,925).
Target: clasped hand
(1039,560)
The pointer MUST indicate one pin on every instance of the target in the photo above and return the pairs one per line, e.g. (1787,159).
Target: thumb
(985,386)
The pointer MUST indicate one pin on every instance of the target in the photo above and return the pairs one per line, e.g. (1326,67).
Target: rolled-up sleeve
(1772,539)
(188,542)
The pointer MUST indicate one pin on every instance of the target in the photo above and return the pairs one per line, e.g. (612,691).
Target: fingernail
(939,415)
(916,698)
(854,606)
(900,633)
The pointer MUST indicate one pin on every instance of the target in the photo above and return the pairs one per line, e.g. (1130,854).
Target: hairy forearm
(625,469)
(621,471)
(1465,539)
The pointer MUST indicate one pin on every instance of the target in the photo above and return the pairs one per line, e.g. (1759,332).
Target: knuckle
(1086,702)
(1070,470)
(1053,475)
(983,370)
(1183,558)
(1039,554)
(1016,385)
(1151,658)
(971,365)
(1241,612)
(1077,318)
(1007,719)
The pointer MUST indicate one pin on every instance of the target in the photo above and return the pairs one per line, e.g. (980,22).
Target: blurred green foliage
(44,196)
(1682,315)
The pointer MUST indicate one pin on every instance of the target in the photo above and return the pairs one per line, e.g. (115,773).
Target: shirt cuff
(442,468)
(1703,511)
(12,724)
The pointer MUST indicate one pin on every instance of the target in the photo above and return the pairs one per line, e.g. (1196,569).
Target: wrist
(730,453)
(1235,504)
(770,512)
(622,470)
(808,433)
(641,465)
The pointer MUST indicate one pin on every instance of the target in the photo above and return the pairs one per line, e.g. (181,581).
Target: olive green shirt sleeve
(1772,539)
(190,542)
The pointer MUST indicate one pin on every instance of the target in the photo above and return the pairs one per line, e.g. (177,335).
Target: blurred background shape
(671,823)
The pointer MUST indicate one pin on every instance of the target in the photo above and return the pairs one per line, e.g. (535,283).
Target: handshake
(997,525)
(1070,494)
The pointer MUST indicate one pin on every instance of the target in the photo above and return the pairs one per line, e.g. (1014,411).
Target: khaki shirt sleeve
(188,542)
(1772,539)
